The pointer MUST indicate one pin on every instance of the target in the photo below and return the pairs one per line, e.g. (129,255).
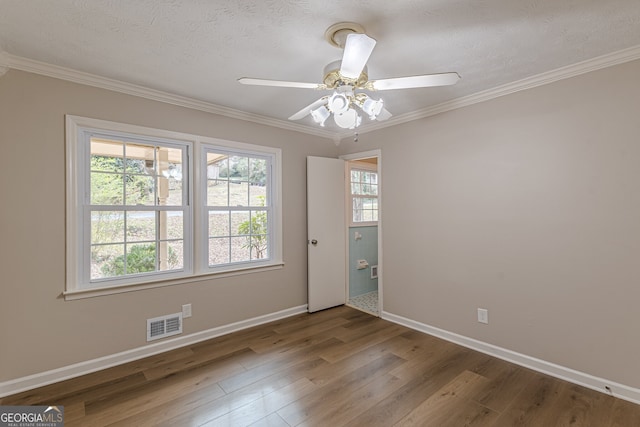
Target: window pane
(169,158)
(107,261)
(240,249)
(140,159)
(258,195)
(258,241)
(141,226)
(355,176)
(107,155)
(356,188)
(171,255)
(106,189)
(170,176)
(140,190)
(107,227)
(373,190)
(174,225)
(364,209)
(239,168)
(219,223)
(357,209)
(141,258)
(258,172)
(259,222)
(219,252)
(217,166)
(174,198)
(259,247)
(217,193)
(240,223)
(238,193)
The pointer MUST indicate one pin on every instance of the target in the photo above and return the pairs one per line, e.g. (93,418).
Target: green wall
(360,281)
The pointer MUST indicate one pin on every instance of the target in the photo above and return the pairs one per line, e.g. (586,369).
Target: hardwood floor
(339,367)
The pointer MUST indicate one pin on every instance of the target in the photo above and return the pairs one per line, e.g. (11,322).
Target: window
(136,206)
(364,193)
(137,216)
(238,206)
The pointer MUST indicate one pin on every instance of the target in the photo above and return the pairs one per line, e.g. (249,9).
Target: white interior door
(326,248)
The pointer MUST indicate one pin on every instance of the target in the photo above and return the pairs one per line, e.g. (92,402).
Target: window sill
(77,294)
(363,224)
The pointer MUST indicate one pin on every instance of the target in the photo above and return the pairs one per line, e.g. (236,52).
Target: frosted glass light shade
(372,107)
(320,115)
(348,120)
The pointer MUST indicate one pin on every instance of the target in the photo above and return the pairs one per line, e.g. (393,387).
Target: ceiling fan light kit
(345,76)
(320,115)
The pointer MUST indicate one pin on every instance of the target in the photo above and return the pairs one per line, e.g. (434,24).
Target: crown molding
(68,74)
(600,62)
(19,63)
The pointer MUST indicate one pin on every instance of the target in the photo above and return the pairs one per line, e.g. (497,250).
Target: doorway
(362,190)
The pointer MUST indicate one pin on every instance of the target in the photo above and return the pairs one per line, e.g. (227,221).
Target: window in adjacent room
(364,193)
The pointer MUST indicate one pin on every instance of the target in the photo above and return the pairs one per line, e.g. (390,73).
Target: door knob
(314,242)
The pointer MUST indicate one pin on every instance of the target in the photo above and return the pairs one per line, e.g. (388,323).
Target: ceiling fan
(347,79)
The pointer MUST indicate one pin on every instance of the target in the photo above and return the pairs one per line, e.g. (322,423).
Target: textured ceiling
(198,48)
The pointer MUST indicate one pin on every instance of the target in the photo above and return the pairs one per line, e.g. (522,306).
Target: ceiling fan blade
(278,83)
(307,110)
(426,80)
(357,50)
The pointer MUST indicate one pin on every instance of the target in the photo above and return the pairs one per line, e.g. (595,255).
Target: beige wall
(40,331)
(527,205)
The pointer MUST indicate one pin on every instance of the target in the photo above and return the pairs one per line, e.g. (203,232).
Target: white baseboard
(60,374)
(621,391)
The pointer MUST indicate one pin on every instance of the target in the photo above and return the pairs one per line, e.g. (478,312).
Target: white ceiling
(198,48)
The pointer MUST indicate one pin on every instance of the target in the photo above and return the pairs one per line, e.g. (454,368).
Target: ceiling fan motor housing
(333,79)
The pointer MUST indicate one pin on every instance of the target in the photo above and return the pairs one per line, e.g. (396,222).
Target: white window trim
(275,232)
(196,271)
(355,164)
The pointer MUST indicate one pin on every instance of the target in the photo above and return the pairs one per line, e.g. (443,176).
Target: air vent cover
(164,326)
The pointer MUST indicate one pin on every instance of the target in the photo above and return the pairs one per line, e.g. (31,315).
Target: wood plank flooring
(339,367)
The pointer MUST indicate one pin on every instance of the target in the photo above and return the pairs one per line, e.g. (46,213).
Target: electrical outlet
(186,311)
(483,315)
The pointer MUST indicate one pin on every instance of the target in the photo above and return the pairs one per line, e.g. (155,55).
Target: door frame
(357,156)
